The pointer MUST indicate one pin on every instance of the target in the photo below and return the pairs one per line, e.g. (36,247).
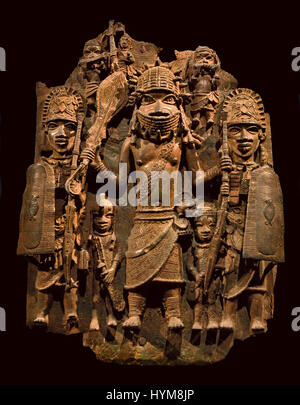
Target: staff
(71,209)
(222,213)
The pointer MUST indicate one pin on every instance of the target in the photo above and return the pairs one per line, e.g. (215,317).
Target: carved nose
(158,110)
(61,131)
(158,107)
(244,134)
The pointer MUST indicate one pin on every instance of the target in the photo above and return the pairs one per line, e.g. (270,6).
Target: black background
(43,43)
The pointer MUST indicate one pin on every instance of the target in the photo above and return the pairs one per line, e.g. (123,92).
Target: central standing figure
(159,141)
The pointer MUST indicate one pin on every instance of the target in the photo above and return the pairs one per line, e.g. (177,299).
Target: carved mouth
(61,142)
(102,225)
(159,114)
(164,123)
(204,235)
(245,146)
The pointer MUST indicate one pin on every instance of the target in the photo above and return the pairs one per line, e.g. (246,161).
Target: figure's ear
(262,135)
(44,145)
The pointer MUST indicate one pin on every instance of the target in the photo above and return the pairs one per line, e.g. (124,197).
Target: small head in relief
(103,214)
(60,120)
(246,124)
(204,225)
(158,110)
(103,219)
(124,42)
(92,53)
(205,56)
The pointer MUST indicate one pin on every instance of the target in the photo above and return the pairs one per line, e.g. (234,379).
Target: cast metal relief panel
(150,272)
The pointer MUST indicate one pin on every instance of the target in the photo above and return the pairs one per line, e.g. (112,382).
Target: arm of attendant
(190,267)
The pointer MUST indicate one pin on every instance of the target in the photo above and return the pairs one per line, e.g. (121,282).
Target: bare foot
(257,326)
(175,323)
(197,326)
(40,322)
(134,322)
(212,325)
(111,320)
(94,325)
(227,324)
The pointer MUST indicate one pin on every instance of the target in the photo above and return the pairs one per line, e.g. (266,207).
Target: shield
(264,230)
(37,232)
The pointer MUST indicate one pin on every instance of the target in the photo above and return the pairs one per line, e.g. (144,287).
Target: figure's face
(123,42)
(158,104)
(61,135)
(243,139)
(102,222)
(205,228)
(204,58)
(92,51)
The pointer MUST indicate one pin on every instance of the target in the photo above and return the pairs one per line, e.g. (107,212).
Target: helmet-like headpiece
(244,106)
(62,103)
(157,78)
(209,209)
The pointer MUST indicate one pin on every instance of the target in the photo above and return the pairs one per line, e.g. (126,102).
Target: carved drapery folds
(150,284)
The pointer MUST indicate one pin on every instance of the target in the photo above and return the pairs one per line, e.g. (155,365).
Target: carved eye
(210,222)
(169,100)
(147,100)
(253,129)
(234,130)
(70,126)
(52,125)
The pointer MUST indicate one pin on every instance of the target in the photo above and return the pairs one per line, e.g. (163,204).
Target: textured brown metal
(36,234)
(263,237)
(149,284)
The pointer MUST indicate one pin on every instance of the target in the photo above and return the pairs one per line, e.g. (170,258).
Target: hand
(226,163)
(198,139)
(114,66)
(109,275)
(96,163)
